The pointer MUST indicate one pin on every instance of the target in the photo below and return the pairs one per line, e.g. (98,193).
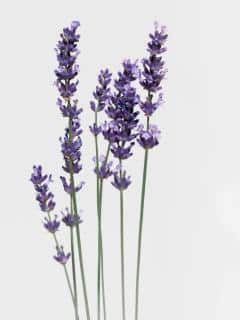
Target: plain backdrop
(191,250)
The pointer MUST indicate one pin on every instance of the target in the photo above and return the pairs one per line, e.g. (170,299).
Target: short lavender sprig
(151,77)
(71,143)
(45,198)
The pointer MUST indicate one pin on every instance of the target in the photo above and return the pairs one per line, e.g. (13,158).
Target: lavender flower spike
(40,183)
(71,143)
(152,75)
(120,131)
(154,70)
(67,53)
(101,94)
(67,70)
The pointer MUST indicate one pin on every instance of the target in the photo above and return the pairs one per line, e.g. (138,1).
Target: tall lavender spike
(121,132)
(151,77)
(71,143)
(67,70)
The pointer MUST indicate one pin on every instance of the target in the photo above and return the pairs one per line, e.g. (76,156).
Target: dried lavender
(151,78)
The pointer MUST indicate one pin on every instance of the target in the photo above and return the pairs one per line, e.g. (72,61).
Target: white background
(191,252)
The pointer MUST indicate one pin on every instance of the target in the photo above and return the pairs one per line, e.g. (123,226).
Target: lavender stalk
(71,143)
(152,76)
(119,131)
(46,202)
(101,97)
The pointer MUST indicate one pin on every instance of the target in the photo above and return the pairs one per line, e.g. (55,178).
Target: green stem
(80,249)
(101,247)
(99,225)
(73,266)
(101,256)
(75,209)
(64,266)
(122,247)
(70,288)
(140,227)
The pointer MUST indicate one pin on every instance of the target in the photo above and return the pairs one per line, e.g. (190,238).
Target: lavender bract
(61,256)
(71,220)
(149,138)
(121,181)
(105,169)
(52,225)
(68,188)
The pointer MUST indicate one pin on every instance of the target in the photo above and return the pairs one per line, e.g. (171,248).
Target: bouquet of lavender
(122,106)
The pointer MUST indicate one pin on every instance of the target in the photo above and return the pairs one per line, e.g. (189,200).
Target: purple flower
(154,69)
(67,70)
(52,225)
(149,138)
(95,130)
(68,188)
(120,131)
(105,168)
(149,107)
(68,110)
(61,257)
(71,151)
(130,73)
(44,196)
(121,182)
(71,219)
(101,94)
(121,151)
(67,53)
